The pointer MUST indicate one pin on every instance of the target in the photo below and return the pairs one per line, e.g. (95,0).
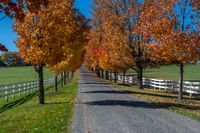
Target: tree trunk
(115,73)
(140,77)
(181,82)
(111,76)
(61,79)
(39,70)
(98,72)
(124,74)
(72,74)
(56,84)
(107,75)
(102,75)
(65,78)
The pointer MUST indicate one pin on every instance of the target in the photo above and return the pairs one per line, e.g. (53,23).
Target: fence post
(6,93)
(13,92)
(172,85)
(19,89)
(190,89)
(35,85)
(24,88)
(132,81)
(29,88)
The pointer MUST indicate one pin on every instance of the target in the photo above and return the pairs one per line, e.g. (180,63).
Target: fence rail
(191,87)
(21,88)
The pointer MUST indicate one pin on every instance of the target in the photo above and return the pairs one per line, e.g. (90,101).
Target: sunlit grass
(18,74)
(29,116)
(191,72)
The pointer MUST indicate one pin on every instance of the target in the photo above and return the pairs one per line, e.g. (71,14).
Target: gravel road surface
(102,109)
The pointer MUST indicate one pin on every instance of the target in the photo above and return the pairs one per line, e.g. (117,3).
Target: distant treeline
(8,59)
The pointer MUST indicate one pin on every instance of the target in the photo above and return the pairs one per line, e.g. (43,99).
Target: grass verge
(189,106)
(54,116)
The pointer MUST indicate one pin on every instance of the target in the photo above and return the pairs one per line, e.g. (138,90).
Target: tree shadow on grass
(178,105)
(17,102)
(20,101)
(164,96)
(125,84)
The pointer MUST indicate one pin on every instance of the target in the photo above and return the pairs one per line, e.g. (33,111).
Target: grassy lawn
(18,74)
(26,115)
(189,107)
(192,72)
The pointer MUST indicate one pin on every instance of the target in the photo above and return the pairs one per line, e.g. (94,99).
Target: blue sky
(7,36)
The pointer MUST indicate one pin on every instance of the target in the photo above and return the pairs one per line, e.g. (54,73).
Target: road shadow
(125,103)
(97,83)
(141,104)
(110,92)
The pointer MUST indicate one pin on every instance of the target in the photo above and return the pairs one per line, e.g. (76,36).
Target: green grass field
(26,115)
(192,72)
(18,74)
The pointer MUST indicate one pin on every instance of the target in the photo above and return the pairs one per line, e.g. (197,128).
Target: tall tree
(174,24)
(120,25)
(49,37)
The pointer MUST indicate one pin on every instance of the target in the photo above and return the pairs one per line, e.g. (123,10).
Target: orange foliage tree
(13,8)
(121,34)
(51,37)
(99,53)
(174,25)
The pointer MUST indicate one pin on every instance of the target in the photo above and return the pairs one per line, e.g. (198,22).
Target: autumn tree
(12,59)
(174,24)
(70,43)
(120,26)
(43,34)
(13,8)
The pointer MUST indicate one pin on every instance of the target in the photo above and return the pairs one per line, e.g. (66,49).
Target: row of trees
(135,34)
(51,33)
(11,59)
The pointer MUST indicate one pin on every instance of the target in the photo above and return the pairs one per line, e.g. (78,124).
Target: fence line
(191,87)
(21,88)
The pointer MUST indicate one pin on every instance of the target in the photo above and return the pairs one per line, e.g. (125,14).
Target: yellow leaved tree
(49,38)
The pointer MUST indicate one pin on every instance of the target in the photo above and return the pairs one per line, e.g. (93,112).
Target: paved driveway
(102,109)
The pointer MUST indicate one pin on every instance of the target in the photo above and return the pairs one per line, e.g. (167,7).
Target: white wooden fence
(21,88)
(191,87)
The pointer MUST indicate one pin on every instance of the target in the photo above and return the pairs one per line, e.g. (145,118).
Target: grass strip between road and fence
(28,116)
